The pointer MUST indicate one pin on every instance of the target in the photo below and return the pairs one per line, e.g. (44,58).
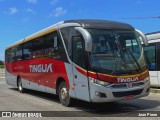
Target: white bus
(152,53)
(91,60)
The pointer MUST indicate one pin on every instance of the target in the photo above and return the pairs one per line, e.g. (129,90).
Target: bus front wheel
(64,94)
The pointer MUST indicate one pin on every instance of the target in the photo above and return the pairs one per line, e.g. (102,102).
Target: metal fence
(2,72)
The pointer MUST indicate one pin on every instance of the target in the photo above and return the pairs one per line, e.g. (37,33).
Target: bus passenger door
(79,69)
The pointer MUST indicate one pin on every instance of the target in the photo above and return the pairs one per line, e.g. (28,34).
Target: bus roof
(86,23)
(102,24)
(153,36)
(153,33)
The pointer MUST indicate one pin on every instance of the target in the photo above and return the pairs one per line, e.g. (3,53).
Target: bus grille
(127,93)
(125,86)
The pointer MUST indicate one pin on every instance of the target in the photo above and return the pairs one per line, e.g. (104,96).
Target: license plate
(128,97)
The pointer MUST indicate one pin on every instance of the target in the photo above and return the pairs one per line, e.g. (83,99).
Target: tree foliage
(1,66)
(1,62)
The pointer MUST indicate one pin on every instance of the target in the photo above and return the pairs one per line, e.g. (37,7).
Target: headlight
(146,79)
(99,82)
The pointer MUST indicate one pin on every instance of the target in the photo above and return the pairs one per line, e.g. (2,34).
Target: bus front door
(79,70)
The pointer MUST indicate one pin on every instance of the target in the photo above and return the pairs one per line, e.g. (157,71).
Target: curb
(155,90)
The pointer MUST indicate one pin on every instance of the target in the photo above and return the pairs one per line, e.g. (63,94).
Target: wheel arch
(59,80)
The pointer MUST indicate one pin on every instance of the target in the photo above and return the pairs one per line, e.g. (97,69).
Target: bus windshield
(116,50)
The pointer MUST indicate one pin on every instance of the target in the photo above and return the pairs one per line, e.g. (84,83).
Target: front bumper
(109,94)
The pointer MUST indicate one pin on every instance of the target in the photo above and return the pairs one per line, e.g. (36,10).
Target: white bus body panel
(154,75)
(154,78)
(81,85)
(12,80)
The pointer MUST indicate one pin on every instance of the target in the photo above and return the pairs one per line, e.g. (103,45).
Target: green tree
(1,64)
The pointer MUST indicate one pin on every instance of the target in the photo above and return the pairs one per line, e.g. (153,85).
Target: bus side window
(19,53)
(8,56)
(13,54)
(51,45)
(78,55)
(150,53)
(27,47)
(46,46)
(158,55)
(37,50)
(67,34)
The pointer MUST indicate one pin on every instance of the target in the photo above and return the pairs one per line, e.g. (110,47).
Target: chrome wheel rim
(64,94)
(20,85)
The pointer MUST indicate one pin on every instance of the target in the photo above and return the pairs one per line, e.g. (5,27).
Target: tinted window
(37,50)
(18,53)
(78,52)
(27,48)
(14,54)
(46,46)
(150,54)
(67,34)
(158,56)
(8,55)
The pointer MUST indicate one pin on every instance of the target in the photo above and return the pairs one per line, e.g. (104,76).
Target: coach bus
(90,60)
(152,53)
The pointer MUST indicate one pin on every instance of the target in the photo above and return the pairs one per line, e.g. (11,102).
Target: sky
(21,18)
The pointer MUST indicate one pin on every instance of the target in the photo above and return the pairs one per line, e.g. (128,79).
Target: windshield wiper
(121,54)
(117,57)
(139,68)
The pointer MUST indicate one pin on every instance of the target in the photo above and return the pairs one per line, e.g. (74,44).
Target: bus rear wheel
(64,94)
(20,87)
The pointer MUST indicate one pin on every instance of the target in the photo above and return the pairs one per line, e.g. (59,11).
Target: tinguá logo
(123,80)
(41,68)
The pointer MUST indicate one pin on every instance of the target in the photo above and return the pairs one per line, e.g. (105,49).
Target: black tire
(63,93)
(20,87)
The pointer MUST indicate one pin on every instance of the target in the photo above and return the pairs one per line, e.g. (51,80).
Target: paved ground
(12,100)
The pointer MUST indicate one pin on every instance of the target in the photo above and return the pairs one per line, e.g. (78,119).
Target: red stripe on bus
(48,79)
(92,75)
(82,71)
(114,79)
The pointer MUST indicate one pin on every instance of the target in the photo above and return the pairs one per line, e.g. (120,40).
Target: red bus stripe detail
(82,71)
(113,79)
(92,74)
(107,78)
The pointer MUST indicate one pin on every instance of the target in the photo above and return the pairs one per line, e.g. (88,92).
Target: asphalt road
(12,100)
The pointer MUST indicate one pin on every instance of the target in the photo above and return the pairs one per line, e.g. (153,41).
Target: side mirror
(144,38)
(87,38)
